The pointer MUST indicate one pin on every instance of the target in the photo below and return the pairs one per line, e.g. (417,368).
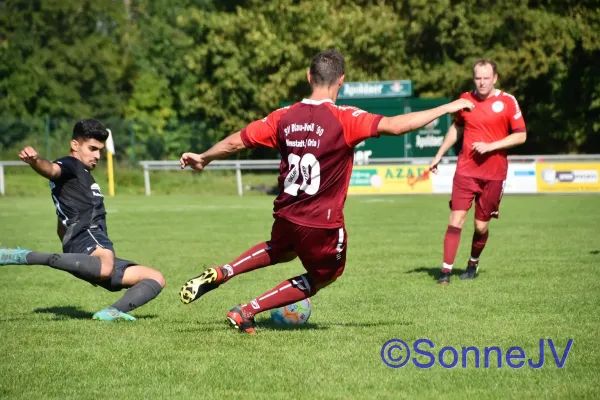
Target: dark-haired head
(90,129)
(327,69)
(88,139)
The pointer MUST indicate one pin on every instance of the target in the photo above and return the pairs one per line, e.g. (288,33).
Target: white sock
(473,260)
(447,266)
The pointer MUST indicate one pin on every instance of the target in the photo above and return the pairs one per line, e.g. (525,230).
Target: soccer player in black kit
(88,253)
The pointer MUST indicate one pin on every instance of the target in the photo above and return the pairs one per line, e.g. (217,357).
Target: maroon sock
(478,245)
(451,241)
(287,292)
(255,257)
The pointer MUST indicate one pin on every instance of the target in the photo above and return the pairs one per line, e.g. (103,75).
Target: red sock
(479,242)
(451,241)
(287,292)
(256,257)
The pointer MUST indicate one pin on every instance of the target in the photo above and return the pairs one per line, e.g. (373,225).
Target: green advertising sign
(424,142)
(362,90)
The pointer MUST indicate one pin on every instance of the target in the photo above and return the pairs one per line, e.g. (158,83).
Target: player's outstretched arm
(451,137)
(45,168)
(512,140)
(401,124)
(225,148)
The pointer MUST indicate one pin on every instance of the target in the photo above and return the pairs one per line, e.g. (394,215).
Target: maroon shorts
(321,251)
(487,195)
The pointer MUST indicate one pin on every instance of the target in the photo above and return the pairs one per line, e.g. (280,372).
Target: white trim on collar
(316,102)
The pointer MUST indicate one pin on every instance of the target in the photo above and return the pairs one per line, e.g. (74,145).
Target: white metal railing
(8,164)
(239,165)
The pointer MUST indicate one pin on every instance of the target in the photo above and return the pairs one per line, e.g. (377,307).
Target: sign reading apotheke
(356,90)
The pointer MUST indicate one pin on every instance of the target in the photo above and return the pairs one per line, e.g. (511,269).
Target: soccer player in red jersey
(494,125)
(316,140)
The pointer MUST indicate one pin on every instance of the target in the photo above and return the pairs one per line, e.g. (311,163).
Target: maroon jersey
(491,120)
(316,141)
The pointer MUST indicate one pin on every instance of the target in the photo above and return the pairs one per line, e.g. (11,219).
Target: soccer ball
(292,314)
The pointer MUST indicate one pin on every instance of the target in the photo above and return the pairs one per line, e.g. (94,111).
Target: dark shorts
(86,242)
(487,195)
(321,251)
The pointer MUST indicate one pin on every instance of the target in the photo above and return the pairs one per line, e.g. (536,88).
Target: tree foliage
(189,72)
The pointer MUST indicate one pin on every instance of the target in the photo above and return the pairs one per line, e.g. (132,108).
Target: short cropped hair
(327,67)
(485,61)
(90,129)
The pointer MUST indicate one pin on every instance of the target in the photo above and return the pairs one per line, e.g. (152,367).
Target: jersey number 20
(300,166)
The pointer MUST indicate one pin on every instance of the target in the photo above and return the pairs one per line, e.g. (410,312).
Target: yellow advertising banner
(390,179)
(568,177)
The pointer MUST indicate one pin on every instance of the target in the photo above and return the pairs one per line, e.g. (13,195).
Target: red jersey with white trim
(316,140)
(490,120)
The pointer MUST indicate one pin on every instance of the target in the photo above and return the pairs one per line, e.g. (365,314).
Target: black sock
(138,295)
(81,265)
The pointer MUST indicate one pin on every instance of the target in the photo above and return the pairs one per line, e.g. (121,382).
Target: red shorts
(321,251)
(487,195)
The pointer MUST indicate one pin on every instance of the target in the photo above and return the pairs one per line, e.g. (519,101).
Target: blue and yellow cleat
(16,256)
(111,314)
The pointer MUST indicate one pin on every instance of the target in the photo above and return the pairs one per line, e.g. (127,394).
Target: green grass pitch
(539,279)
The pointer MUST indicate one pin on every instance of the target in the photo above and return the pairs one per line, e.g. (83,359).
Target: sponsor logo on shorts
(254,304)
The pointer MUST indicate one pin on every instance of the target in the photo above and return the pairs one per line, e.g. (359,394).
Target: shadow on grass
(369,324)
(64,312)
(268,324)
(72,312)
(434,273)
(271,325)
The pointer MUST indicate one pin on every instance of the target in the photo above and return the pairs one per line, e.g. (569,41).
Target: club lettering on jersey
(96,190)
(303,143)
(303,128)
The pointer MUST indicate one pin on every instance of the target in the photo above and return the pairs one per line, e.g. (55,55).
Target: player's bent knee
(150,273)
(287,257)
(322,285)
(458,218)
(304,283)
(107,259)
(481,227)
(107,267)
(107,270)
(158,277)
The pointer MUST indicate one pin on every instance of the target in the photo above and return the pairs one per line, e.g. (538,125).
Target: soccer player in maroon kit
(316,140)
(494,125)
